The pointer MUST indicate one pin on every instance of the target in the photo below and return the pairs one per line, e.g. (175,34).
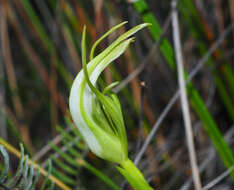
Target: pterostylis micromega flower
(97,114)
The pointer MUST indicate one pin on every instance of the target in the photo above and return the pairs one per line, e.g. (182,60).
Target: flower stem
(133,175)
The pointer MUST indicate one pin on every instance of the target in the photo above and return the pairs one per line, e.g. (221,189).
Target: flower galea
(97,114)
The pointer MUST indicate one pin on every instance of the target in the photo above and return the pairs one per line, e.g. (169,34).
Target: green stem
(133,175)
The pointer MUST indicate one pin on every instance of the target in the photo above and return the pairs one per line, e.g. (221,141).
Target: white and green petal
(96,114)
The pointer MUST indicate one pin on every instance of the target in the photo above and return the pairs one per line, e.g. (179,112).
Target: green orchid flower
(97,114)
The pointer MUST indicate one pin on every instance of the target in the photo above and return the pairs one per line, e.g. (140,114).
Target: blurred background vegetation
(40,56)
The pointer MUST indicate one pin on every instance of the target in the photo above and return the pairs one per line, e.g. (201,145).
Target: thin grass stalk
(184,98)
(218,179)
